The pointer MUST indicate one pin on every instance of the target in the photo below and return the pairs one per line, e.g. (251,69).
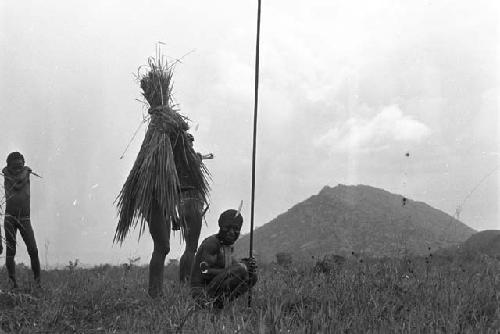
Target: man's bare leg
(192,215)
(10,251)
(159,228)
(28,236)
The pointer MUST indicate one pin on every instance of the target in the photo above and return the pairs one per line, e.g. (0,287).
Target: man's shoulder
(210,242)
(25,172)
(211,239)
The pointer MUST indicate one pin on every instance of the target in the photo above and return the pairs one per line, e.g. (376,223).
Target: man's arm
(207,156)
(208,260)
(19,184)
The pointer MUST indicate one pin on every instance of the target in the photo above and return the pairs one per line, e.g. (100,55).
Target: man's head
(230,222)
(190,139)
(15,161)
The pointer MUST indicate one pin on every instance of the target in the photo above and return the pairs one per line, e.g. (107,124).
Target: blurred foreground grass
(407,295)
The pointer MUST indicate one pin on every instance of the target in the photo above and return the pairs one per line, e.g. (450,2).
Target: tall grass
(408,295)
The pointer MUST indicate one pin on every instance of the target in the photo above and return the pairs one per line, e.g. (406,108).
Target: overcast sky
(347,89)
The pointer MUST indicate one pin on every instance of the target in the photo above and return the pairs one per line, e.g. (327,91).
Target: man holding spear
(217,277)
(17,215)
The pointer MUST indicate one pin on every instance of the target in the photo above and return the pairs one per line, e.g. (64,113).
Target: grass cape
(166,164)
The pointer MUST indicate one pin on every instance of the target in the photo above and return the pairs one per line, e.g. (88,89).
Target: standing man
(152,192)
(217,277)
(192,208)
(17,215)
(1,242)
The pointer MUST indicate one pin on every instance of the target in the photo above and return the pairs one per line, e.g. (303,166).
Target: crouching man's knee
(240,271)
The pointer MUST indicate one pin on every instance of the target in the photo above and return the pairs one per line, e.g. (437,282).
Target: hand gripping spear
(256,102)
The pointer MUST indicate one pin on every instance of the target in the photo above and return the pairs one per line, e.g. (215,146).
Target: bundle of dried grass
(166,162)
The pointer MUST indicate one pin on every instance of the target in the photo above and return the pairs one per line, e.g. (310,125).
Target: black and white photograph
(250,166)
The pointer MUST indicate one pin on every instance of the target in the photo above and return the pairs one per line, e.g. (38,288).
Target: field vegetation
(409,295)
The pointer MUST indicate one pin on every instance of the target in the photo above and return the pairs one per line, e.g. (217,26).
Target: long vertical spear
(256,102)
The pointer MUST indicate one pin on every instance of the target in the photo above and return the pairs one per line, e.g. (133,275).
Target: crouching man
(216,277)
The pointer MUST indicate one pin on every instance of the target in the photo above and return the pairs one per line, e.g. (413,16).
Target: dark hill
(482,243)
(360,219)
(486,242)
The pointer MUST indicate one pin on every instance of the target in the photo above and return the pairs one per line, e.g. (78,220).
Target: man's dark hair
(230,217)
(14,156)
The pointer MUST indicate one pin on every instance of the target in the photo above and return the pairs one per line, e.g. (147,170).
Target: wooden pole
(254,148)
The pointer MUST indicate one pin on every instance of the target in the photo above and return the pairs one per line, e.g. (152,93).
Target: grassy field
(410,295)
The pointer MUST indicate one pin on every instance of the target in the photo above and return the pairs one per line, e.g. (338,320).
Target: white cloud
(389,126)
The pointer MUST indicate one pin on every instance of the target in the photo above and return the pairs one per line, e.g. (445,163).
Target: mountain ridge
(361,219)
